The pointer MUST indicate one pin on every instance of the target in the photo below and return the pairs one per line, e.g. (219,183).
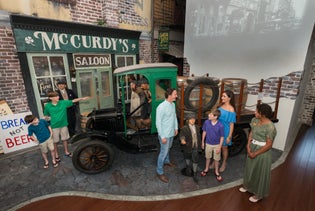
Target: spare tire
(210,94)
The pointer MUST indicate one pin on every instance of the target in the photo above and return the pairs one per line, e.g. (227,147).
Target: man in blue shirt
(167,128)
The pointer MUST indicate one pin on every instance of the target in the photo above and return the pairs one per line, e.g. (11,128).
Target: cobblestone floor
(23,177)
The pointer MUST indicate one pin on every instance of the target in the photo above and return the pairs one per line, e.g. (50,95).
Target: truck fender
(89,134)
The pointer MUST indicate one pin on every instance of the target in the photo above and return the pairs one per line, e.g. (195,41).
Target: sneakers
(163,178)
(242,189)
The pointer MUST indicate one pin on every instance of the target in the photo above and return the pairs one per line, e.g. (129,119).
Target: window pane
(129,61)
(105,84)
(57,65)
(57,79)
(44,86)
(121,61)
(41,67)
(161,86)
(86,84)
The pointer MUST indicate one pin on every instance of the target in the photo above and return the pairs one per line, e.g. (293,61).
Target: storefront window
(46,71)
(123,60)
(105,84)
(41,66)
(130,60)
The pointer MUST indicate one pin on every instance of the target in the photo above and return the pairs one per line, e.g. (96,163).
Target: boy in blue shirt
(39,130)
(213,135)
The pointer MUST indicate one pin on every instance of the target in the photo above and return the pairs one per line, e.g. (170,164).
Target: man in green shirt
(57,111)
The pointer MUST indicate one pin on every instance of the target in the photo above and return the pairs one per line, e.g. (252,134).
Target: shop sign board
(91,60)
(41,41)
(163,39)
(13,132)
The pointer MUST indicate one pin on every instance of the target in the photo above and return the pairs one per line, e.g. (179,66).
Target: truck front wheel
(93,157)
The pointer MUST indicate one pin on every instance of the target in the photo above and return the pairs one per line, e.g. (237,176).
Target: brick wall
(289,88)
(186,68)
(164,12)
(105,12)
(145,53)
(87,11)
(156,55)
(12,87)
(111,9)
(306,115)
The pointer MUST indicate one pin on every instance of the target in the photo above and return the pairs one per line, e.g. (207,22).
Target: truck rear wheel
(239,142)
(93,157)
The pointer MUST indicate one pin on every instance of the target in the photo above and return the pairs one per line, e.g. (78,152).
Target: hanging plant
(101,22)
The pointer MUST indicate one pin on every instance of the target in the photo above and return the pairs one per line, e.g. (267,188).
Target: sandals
(58,160)
(254,199)
(46,165)
(55,164)
(69,155)
(242,189)
(204,173)
(218,177)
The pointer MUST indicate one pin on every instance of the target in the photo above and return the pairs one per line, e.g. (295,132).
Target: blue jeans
(163,157)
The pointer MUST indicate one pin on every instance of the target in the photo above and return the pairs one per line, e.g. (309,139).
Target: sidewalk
(23,177)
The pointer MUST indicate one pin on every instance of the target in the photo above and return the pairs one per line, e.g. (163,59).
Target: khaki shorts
(48,144)
(60,134)
(211,149)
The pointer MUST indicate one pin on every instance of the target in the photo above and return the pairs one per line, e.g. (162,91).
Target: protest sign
(13,132)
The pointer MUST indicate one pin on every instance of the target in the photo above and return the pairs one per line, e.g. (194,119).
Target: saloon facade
(83,56)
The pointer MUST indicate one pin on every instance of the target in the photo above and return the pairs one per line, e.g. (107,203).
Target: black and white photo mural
(245,36)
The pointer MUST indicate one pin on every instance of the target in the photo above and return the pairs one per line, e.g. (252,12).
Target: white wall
(284,117)
(223,39)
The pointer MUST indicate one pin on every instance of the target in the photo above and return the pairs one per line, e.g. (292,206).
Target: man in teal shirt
(57,111)
(167,128)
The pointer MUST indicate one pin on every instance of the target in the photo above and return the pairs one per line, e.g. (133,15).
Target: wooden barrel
(182,80)
(234,84)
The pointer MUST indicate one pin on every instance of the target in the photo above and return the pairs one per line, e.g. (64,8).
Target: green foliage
(101,22)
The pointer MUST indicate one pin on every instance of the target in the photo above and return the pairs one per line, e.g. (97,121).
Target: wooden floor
(292,188)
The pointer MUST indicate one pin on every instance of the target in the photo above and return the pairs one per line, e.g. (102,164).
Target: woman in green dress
(259,159)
